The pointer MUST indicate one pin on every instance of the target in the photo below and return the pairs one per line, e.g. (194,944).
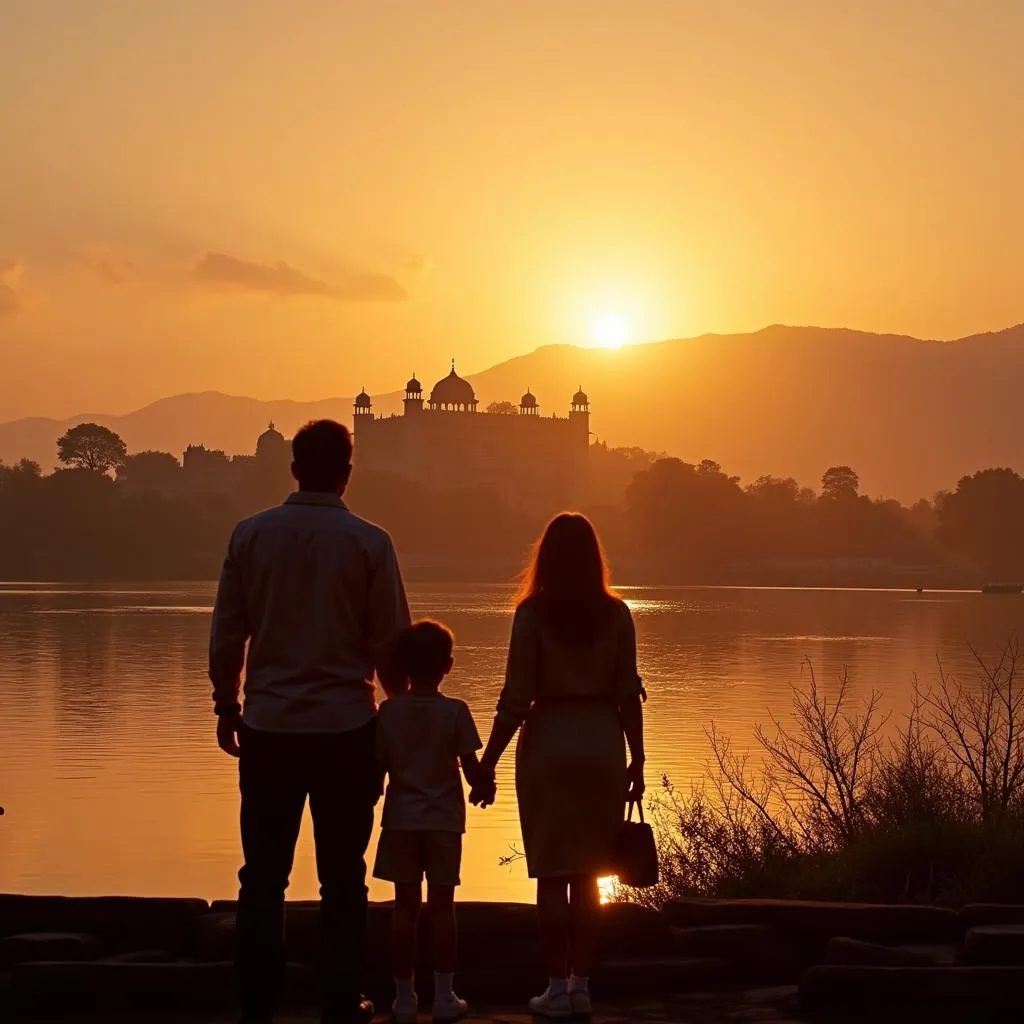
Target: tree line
(110,514)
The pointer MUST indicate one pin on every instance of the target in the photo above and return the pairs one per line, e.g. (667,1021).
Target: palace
(447,445)
(209,470)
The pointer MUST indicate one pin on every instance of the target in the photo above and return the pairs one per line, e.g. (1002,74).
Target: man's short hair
(322,453)
(423,650)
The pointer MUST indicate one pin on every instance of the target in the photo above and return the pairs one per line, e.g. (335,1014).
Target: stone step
(140,956)
(757,952)
(814,921)
(503,934)
(873,954)
(729,941)
(994,945)
(970,915)
(102,986)
(121,923)
(193,928)
(105,986)
(914,993)
(25,948)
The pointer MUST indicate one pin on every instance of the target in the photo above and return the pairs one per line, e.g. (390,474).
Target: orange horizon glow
(283,201)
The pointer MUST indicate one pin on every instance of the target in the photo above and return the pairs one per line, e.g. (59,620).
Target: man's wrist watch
(227,710)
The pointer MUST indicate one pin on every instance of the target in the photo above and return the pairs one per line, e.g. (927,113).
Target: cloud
(353,285)
(10,279)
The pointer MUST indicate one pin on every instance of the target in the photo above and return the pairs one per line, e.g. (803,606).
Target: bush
(835,810)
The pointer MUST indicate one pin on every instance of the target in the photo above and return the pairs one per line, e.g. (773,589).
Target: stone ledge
(973,914)
(915,993)
(19,949)
(872,954)
(41,988)
(489,933)
(140,956)
(121,923)
(191,927)
(756,952)
(763,1006)
(999,945)
(818,922)
(107,986)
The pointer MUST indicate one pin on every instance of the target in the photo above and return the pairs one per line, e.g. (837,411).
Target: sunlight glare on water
(607,886)
(113,783)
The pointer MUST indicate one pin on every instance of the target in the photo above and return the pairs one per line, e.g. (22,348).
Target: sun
(610,331)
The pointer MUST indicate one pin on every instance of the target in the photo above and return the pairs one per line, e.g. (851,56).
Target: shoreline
(898,582)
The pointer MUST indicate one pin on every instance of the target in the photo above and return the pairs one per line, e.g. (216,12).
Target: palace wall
(531,461)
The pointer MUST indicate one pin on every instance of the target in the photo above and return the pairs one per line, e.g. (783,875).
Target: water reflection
(112,781)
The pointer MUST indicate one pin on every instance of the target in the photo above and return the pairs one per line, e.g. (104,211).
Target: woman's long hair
(568,579)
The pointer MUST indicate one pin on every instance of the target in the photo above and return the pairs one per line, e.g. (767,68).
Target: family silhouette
(312,607)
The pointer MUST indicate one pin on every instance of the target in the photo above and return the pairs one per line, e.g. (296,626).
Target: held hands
(484,790)
(635,786)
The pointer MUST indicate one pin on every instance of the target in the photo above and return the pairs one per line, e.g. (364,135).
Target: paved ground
(758,1006)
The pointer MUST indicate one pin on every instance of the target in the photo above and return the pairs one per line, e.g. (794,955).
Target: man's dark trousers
(277,772)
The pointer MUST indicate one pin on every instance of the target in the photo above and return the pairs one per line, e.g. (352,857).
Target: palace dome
(528,401)
(453,390)
(363,400)
(413,387)
(270,441)
(580,398)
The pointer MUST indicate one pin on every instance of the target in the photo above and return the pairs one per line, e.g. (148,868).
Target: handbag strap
(638,804)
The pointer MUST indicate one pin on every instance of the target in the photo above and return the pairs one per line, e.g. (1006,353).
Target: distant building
(210,471)
(271,444)
(446,444)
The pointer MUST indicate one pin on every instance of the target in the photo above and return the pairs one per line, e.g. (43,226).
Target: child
(422,737)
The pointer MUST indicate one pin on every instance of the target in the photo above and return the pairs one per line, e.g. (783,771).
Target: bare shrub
(981,731)
(910,782)
(828,807)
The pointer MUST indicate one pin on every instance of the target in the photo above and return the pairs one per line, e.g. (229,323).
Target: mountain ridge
(911,415)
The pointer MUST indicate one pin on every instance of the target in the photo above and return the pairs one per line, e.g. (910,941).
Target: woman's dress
(571,756)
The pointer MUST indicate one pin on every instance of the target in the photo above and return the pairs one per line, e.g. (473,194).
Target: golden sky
(296,198)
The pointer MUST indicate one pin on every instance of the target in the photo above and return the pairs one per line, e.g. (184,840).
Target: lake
(113,783)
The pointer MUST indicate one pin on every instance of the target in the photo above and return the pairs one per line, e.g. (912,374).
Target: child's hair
(424,649)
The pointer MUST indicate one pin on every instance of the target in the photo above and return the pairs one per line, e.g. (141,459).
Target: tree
(710,468)
(839,482)
(688,518)
(29,468)
(781,517)
(611,471)
(150,470)
(18,478)
(90,446)
(779,491)
(982,517)
(502,408)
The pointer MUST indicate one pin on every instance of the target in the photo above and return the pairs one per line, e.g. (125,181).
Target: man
(317,594)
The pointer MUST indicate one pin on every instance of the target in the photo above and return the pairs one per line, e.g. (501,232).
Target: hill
(911,416)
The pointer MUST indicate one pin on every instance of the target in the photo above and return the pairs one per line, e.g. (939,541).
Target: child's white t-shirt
(420,738)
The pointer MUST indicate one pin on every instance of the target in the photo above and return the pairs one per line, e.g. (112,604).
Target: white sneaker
(405,1010)
(549,1005)
(450,1007)
(579,999)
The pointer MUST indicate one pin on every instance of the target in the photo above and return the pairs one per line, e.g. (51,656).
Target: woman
(572,684)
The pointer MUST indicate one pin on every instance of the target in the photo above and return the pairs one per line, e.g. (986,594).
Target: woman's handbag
(636,854)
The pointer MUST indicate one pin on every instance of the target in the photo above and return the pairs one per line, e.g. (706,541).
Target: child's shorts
(406,856)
